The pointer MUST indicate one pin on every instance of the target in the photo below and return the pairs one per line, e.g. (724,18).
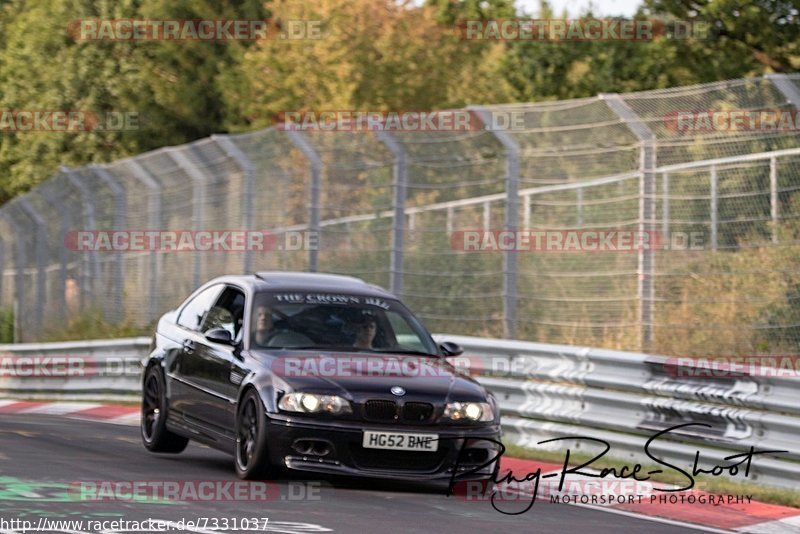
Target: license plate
(400,441)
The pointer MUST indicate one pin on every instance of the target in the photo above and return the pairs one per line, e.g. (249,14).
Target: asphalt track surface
(42,455)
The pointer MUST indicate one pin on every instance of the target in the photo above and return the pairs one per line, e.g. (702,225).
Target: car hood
(357,376)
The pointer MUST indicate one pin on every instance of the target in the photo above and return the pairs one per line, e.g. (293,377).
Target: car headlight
(313,403)
(469,411)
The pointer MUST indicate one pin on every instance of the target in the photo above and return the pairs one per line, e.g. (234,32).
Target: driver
(365,334)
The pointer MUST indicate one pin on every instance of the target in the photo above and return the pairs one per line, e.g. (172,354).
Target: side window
(195,311)
(227,312)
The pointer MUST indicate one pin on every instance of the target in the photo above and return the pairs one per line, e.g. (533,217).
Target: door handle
(188,346)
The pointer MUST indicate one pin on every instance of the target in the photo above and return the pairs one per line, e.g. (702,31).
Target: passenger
(263,329)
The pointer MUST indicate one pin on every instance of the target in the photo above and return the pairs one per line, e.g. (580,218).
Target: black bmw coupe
(318,373)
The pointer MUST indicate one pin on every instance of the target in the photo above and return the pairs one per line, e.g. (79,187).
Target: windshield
(328,321)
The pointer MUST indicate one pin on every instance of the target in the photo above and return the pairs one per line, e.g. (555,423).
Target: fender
(266,388)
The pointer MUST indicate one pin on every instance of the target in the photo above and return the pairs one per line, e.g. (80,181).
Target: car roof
(299,281)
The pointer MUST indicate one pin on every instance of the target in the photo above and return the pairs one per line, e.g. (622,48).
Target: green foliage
(6,326)
(171,85)
(745,34)
(93,324)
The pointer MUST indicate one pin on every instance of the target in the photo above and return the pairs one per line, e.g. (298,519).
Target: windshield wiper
(337,348)
(404,351)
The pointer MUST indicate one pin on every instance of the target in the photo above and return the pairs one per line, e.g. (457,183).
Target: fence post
(647,164)
(120,215)
(773,196)
(301,143)
(714,214)
(199,183)
(19,266)
(787,87)
(665,208)
(791,91)
(66,223)
(154,207)
(249,176)
(2,267)
(510,257)
(526,212)
(90,271)
(449,220)
(41,263)
(579,204)
(399,177)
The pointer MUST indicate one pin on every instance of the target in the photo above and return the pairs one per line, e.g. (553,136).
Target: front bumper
(346,456)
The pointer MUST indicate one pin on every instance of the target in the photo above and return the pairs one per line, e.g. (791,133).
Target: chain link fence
(385,206)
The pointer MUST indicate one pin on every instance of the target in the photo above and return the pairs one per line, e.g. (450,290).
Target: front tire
(155,436)
(252,461)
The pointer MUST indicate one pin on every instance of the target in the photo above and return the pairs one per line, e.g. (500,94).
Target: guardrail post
(89,273)
(198,203)
(299,141)
(20,262)
(41,263)
(115,311)
(647,164)
(510,257)
(399,177)
(248,191)
(154,208)
(713,207)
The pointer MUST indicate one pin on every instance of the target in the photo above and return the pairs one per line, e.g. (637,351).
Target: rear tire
(251,458)
(155,436)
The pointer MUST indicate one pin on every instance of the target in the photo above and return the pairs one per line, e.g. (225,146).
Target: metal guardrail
(558,391)
(545,391)
(105,370)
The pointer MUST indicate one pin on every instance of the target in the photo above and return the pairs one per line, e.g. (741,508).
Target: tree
(169,85)
(757,35)
(373,55)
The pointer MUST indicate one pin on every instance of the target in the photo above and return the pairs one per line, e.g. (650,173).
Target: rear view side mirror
(219,335)
(449,348)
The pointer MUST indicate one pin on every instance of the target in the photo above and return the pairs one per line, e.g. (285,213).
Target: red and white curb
(106,413)
(746,517)
(751,516)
